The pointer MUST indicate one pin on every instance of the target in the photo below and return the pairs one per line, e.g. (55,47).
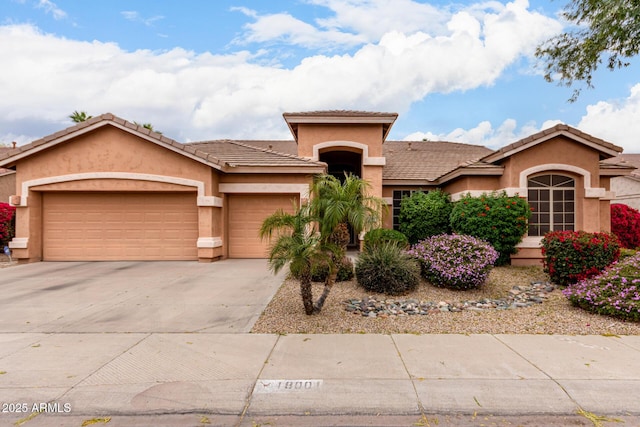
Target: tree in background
(604,30)
(79,116)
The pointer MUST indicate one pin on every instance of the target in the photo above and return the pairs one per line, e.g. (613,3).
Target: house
(107,189)
(627,188)
(7,179)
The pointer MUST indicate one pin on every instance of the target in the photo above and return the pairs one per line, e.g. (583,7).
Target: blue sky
(202,70)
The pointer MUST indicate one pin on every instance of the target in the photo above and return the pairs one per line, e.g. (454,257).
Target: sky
(200,70)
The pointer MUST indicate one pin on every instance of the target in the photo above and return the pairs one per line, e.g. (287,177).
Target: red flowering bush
(625,223)
(571,256)
(6,228)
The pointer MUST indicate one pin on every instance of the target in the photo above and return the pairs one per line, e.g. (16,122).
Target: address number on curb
(286,386)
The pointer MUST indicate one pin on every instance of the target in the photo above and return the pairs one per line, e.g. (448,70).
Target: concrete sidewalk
(237,379)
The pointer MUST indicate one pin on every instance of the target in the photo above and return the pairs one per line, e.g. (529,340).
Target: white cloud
(192,96)
(616,121)
(485,134)
(284,28)
(134,16)
(50,7)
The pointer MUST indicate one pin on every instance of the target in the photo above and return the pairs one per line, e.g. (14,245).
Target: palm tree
(79,116)
(147,126)
(298,244)
(335,204)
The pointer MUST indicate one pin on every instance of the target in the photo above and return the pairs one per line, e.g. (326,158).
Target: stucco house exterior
(627,188)
(107,189)
(7,180)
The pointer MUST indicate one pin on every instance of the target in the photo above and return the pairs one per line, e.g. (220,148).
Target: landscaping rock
(517,297)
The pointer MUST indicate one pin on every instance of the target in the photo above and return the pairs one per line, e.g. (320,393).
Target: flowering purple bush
(455,261)
(615,292)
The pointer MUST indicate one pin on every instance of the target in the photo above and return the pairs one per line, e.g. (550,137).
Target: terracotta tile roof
(219,154)
(237,153)
(427,160)
(597,143)
(340,113)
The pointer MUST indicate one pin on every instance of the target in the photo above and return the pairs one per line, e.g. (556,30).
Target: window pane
(558,195)
(544,195)
(534,230)
(558,218)
(561,181)
(533,195)
(544,218)
(544,229)
(540,181)
(544,207)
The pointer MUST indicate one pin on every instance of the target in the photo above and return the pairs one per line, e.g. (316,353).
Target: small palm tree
(298,244)
(147,126)
(79,116)
(335,204)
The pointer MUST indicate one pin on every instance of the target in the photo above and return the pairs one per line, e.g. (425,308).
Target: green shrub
(455,261)
(615,292)
(380,236)
(387,269)
(571,256)
(319,272)
(497,218)
(424,214)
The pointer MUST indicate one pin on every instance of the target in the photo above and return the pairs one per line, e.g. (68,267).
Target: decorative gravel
(515,300)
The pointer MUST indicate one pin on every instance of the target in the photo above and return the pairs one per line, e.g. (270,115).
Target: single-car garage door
(80,226)
(246,213)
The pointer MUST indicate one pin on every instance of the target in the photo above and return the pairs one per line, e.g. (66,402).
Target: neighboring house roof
(633,160)
(4,171)
(227,158)
(427,161)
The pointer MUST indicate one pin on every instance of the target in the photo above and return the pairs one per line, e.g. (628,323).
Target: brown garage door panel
(246,214)
(119,226)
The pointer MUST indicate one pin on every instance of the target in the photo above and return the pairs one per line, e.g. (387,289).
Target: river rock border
(383,307)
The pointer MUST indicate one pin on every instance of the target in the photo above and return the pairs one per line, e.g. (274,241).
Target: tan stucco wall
(109,150)
(473,184)
(312,134)
(558,150)
(627,191)
(7,186)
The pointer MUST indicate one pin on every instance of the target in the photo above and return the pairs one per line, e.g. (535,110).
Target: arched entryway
(339,164)
(342,162)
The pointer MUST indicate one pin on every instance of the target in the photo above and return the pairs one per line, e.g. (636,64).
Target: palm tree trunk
(306,293)
(328,284)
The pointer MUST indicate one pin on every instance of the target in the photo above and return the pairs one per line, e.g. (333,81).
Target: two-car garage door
(103,226)
(100,226)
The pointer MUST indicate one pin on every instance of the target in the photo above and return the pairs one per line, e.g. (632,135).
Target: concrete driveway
(224,296)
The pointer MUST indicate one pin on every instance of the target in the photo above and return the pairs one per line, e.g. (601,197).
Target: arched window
(552,200)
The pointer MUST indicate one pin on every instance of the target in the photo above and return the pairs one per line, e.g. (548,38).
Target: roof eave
(263,169)
(471,171)
(50,141)
(550,134)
